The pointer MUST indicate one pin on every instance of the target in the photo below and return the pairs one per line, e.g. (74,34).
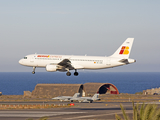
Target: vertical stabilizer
(95,96)
(76,95)
(124,50)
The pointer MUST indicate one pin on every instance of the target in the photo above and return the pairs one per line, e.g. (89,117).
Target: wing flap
(65,65)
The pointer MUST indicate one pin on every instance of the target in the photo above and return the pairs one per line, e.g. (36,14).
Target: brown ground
(103,97)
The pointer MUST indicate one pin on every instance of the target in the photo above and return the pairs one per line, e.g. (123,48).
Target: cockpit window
(25,57)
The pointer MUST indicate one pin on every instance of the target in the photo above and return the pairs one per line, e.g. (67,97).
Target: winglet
(124,50)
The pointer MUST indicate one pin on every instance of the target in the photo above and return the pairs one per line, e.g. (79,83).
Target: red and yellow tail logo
(124,50)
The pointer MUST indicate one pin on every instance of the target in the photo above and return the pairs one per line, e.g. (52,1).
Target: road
(96,110)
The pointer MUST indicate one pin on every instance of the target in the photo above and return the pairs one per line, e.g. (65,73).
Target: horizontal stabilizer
(124,61)
(127,61)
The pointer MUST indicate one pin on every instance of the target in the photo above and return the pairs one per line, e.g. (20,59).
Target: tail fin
(76,95)
(124,50)
(95,96)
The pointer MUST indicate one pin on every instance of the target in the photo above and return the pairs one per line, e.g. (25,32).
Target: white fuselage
(79,62)
(54,63)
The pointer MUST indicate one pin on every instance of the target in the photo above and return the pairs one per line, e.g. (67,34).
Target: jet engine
(51,68)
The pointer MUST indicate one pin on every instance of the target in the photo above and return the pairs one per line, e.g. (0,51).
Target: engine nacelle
(51,68)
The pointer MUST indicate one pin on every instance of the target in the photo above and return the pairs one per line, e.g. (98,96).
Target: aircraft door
(32,60)
(108,62)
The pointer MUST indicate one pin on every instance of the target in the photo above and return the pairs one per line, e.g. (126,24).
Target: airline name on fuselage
(49,56)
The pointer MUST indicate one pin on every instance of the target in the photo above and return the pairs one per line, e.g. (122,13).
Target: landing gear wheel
(33,72)
(68,74)
(75,73)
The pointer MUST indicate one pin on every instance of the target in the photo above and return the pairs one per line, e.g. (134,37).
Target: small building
(151,91)
(53,90)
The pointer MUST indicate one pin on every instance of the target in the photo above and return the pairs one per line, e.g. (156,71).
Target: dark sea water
(15,83)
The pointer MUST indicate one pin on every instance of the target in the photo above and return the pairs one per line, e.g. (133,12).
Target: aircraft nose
(21,61)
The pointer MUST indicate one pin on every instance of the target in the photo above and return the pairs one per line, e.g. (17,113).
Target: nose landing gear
(33,72)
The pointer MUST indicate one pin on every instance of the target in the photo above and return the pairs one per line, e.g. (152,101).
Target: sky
(72,27)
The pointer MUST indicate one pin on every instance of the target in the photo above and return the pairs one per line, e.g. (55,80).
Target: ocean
(14,83)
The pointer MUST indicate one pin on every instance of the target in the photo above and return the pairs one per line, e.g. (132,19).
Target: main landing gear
(33,72)
(75,73)
(69,73)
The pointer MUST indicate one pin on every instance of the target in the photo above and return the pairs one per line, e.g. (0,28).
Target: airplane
(64,63)
(66,98)
(86,99)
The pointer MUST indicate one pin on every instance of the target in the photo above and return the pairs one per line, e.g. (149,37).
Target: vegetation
(145,112)
(29,119)
(42,118)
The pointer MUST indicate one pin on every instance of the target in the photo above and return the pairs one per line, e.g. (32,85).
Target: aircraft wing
(65,65)
(86,100)
(62,98)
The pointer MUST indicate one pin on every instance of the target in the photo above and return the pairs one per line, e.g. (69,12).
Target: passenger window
(25,57)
